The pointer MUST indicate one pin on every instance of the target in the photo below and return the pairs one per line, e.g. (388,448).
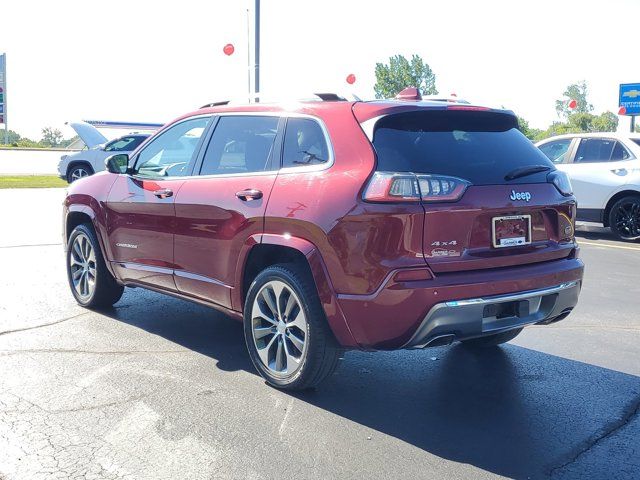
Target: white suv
(605,172)
(89,161)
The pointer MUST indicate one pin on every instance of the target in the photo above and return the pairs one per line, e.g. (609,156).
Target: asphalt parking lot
(158,388)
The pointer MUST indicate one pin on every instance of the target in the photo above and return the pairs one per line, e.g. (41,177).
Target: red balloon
(351,79)
(228,49)
(622,111)
(573,104)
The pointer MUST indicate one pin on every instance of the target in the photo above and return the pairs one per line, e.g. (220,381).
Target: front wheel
(624,218)
(91,283)
(492,340)
(286,330)
(78,171)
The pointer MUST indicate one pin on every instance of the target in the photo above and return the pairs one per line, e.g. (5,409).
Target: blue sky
(152,61)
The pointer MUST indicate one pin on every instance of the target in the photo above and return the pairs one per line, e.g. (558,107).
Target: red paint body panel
(212,225)
(140,228)
(388,318)
(468,223)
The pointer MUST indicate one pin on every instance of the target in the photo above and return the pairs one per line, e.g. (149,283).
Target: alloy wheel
(82,263)
(279,328)
(627,219)
(78,173)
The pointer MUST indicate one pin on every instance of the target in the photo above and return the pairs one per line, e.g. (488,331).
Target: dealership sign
(630,98)
(3,88)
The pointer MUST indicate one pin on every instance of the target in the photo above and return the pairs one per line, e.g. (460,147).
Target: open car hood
(88,133)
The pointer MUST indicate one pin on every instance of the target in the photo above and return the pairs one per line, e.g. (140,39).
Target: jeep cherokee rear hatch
(491,198)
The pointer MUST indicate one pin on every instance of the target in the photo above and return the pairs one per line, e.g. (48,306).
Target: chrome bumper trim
(463,319)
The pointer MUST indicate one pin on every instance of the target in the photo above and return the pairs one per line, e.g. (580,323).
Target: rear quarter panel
(359,243)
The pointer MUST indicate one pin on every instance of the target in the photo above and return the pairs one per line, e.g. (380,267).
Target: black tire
(492,340)
(322,353)
(76,171)
(624,218)
(106,290)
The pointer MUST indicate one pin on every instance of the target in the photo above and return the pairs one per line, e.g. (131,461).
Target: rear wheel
(77,172)
(492,340)
(286,330)
(91,283)
(624,218)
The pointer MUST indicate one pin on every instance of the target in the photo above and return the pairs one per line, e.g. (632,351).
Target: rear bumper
(458,306)
(460,320)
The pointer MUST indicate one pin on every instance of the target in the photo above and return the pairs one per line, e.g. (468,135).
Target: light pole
(256,76)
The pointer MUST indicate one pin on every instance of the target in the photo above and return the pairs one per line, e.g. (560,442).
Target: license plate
(511,231)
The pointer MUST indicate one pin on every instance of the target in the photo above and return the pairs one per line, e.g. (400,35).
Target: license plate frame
(511,241)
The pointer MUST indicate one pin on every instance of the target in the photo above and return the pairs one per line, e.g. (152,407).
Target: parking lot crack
(102,405)
(631,411)
(16,330)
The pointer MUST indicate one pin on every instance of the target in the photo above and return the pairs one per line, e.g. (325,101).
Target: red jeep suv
(329,225)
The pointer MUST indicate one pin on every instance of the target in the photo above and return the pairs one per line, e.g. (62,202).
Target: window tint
(169,154)
(240,144)
(481,147)
(304,143)
(636,140)
(125,144)
(556,151)
(619,153)
(594,150)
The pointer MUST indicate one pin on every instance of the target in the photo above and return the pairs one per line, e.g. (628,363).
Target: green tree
(12,137)
(578,92)
(401,73)
(27,143)
(531,133)
(580,122)
(68,141)
(605,122)
(51,137)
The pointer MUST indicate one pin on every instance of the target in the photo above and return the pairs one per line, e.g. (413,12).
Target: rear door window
(241,144)
(593,150)
(481,147)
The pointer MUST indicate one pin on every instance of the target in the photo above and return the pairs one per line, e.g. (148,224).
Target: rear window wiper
(524,171)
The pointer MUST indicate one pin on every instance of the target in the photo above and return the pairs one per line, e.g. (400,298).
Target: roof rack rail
(330,97)
(216,104)
(324,97)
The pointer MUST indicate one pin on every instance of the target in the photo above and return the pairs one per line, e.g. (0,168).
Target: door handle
(249,194)
(163,193)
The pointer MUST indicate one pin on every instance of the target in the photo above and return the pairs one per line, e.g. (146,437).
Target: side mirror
(118,163)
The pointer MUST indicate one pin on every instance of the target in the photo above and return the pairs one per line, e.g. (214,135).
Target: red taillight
(408,187)
(392,187)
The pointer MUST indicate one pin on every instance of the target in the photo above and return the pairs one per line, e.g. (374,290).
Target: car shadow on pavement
(512,411)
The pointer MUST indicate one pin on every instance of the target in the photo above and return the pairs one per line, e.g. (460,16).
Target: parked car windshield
(481,147)
(124,144)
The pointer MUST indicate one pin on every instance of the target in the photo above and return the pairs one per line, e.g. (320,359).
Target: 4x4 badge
(526,196)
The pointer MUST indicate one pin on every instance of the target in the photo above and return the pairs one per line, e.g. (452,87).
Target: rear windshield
(481,147)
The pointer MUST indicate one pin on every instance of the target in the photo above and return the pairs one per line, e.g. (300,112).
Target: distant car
(87,162)
(604,169)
